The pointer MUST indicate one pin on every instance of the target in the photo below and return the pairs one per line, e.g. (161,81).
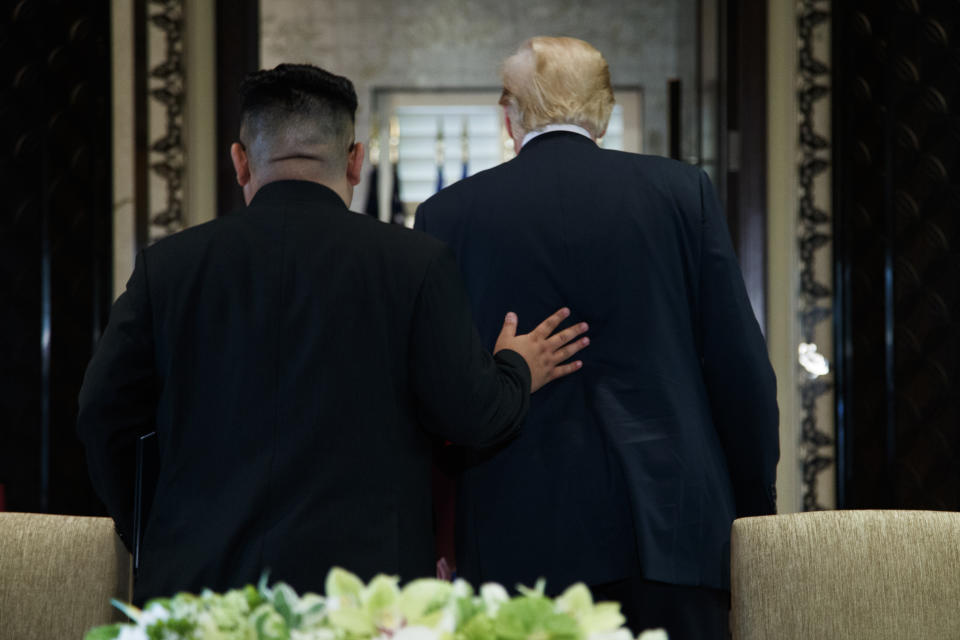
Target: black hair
(294,87)
(278,100)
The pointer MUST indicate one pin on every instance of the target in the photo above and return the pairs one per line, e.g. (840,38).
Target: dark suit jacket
(295,359)
(639,463)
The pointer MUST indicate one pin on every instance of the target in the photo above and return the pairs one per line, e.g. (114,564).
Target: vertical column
(815,347)
(800,258)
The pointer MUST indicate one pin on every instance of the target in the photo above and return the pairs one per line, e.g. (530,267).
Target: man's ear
(241,164)
(516,143)
(355,164)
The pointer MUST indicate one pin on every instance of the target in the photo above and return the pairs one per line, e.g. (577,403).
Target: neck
(297,170)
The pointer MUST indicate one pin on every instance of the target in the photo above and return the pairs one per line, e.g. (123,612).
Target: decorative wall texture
(164,121)
(815,348)
(166,69)
(439,44)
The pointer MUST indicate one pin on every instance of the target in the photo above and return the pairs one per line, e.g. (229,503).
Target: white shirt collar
(572,128)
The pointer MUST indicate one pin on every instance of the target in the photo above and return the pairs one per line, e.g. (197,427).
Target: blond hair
(557,81)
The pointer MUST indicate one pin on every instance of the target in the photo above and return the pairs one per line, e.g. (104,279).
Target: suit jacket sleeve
(466,395)
(739,378)
(118,400)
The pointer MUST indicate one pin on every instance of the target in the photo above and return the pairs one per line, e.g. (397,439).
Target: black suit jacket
(639,463)
(295,359)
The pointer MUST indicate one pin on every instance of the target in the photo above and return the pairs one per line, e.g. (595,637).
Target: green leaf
(312,611)
(479,627)
(254,598)
(285,601)
(537,591)
(269,624)
(128,609)
(467,609)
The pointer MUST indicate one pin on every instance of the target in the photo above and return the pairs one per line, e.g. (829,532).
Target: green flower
(592,618)
(478,627)
(346,606)
(425,609)
(533,617)
(381,599)
(342,583)
(426,602)
(223,617)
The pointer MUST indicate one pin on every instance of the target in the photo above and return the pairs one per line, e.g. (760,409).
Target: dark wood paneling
(897,194)
(54,241)
(745,145)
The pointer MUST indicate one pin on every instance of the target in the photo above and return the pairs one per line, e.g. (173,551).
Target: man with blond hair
(629,475)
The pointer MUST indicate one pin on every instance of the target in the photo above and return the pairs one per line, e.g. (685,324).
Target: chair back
(58,574)
(846,574)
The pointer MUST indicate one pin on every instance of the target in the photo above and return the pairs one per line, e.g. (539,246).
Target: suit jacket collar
(299,191)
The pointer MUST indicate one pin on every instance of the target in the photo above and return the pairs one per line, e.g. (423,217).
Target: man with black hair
(297,361)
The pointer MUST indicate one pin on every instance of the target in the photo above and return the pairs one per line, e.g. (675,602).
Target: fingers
(545,328)
(507,332)
(509,328)
(565,369)
(570,349)
(568,334)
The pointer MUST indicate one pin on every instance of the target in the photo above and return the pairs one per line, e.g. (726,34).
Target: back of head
(557,81)
(297,114)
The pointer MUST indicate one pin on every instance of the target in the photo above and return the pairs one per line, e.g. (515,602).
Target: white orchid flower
(131,633)
(493,595)
(416,633)
(461,589)
(620,634)
(154,613)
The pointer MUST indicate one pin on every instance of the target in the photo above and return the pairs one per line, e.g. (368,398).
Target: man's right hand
(543,352)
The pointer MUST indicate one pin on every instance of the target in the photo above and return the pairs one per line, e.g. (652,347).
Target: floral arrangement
(425,609)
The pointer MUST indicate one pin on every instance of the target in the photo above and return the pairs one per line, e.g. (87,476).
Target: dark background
(897,209)
(56,226)
(897,245)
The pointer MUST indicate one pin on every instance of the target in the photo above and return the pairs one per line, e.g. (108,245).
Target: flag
(397,213)
(464,150)
(373,194)
(439,158)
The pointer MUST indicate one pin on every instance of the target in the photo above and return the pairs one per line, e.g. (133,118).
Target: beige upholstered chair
(846,574)
(57,575)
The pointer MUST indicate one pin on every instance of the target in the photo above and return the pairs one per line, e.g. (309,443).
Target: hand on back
(544,351)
